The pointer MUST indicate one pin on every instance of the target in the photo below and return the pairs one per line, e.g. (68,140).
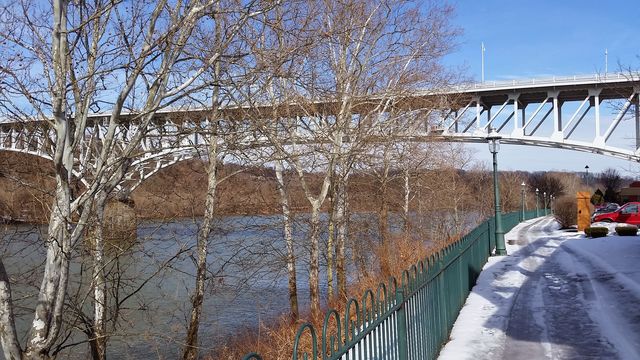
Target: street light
(523,188)
(483,50)
(586,174)
(494,146)
(537,196)
(544,202)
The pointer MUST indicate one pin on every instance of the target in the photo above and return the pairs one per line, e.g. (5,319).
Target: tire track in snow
(530,325)
(550,317)
(613,300)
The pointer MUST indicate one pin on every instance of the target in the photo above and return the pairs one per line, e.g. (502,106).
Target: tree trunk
(383,228)
(330,240)
(383,216)
(314,284)
(98,341)
(341,223)
(8,336)
(47,319)
(190,350)
(191,344)
(48,314)
(288,238)
(405,208)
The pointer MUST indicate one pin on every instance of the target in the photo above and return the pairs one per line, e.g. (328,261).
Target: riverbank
(26,185)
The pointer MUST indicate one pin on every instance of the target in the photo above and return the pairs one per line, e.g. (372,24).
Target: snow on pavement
(557,295)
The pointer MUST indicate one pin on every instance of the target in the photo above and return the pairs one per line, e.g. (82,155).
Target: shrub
(627,230)
(565,211)
(596,231)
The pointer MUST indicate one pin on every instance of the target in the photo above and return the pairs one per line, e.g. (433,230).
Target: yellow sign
(584,209)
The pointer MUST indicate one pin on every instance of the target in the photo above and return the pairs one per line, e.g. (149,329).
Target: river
(248,282)
(155,277)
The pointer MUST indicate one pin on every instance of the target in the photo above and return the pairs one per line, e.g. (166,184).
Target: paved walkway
(547,301)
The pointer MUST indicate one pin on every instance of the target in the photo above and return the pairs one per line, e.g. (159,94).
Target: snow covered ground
(557,295)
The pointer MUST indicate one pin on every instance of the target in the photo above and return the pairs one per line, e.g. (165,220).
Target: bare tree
(228,26)
(132,57)
(546,183)
(511,190)
(612,181)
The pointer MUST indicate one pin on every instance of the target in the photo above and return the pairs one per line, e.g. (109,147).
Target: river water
(153,277)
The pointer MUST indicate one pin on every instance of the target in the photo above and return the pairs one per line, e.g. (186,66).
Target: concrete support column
(455,121)
(557,115)
(478,111)
(524,117)
(599,140)
(517,125)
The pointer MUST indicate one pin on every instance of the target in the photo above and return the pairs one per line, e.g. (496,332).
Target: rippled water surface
(151,280)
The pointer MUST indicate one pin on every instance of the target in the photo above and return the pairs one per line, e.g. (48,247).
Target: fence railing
(556,80)
(409,320)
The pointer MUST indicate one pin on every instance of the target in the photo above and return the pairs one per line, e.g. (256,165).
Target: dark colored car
(628,213)
(610,207)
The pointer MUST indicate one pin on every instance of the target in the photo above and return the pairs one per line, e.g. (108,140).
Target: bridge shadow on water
(545,310)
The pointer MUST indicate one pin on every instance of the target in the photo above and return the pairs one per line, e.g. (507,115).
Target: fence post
(489,236)
(252,356)
(403,349)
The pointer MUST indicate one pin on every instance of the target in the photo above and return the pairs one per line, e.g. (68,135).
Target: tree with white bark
(359,58)
(64,61)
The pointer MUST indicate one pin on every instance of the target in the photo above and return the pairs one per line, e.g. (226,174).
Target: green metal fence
(409,320)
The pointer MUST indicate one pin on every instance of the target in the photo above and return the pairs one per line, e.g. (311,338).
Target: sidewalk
(556,295)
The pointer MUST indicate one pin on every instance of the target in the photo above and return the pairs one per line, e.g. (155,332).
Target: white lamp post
(537,208)
(523,189)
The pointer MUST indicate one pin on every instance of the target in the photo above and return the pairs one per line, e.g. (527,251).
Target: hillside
(26,183)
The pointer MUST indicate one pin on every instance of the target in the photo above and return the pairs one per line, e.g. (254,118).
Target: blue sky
(528,39)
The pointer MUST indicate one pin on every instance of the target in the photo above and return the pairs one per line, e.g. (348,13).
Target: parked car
(628,213)
(610,207)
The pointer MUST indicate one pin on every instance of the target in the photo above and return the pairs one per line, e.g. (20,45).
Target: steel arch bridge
(479,107)
(519,110)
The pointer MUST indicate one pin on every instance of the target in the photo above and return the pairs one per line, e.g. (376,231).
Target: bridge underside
(541,142)
(563,114)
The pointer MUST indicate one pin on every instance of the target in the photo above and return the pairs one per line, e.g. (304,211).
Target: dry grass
(25,187)
(566,212)
(275,340)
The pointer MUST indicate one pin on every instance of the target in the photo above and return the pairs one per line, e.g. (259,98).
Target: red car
(627,213)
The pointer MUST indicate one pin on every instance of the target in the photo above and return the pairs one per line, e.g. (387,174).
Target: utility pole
(586,174)
(483,50)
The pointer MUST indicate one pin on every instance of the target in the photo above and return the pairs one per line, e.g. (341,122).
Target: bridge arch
(572,145)
(462,114)
(521,110)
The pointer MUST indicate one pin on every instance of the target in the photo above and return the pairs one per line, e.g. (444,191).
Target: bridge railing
(555,80)
(407,320)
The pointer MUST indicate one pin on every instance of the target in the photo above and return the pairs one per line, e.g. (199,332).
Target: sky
(532,39)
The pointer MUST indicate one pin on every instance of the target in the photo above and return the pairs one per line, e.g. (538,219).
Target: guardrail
(555,80)
(410,320)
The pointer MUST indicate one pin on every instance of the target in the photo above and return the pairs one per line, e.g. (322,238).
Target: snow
(557,295)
